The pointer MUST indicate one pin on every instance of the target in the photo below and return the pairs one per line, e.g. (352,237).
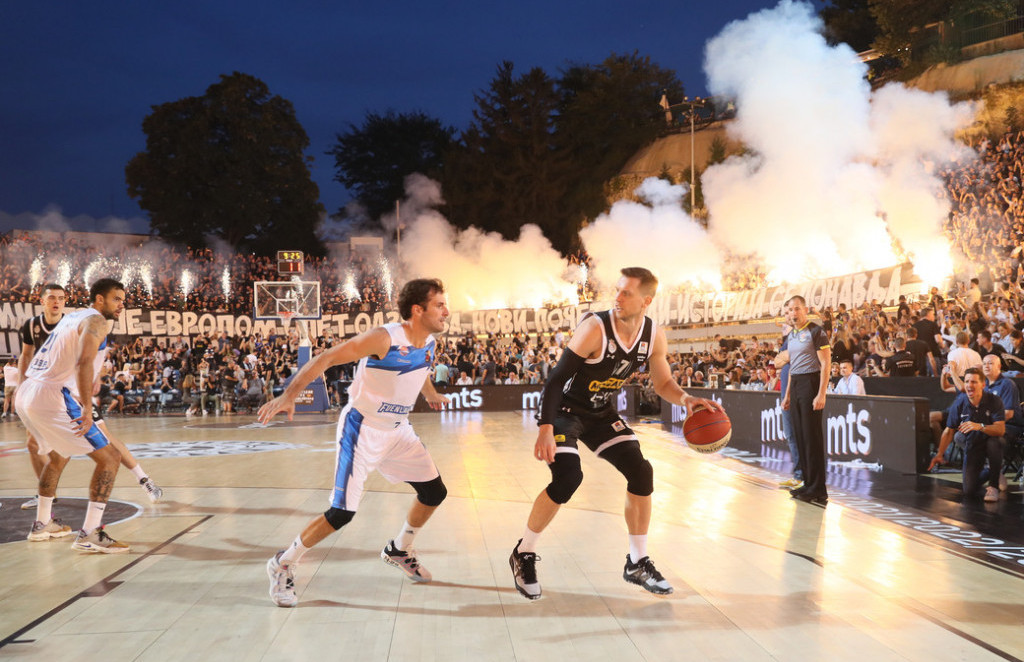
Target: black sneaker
(524,572)
(644,574)
(813,499)
(405,561)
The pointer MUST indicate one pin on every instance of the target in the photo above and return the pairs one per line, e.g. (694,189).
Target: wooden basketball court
(757,576)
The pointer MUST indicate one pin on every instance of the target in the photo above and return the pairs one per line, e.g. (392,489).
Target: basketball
(707,431)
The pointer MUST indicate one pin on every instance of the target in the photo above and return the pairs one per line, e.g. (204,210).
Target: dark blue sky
(77,78)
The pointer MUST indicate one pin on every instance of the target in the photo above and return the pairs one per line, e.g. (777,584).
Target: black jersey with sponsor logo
(35,330)
(593,387)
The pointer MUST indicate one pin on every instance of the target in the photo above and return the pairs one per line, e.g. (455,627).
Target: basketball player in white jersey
(55,404)
(34,333)
(374,431)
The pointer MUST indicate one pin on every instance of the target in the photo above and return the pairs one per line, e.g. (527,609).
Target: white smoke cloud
(659,236)
(481,270)
(837,179)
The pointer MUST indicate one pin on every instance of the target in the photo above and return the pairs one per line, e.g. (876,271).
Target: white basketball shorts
(398,455)
(49,411)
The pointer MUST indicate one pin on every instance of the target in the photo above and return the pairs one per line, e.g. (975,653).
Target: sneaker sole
(420,579)
(650,589)
(271,571)
(96,549)
(522,591)
(40,537)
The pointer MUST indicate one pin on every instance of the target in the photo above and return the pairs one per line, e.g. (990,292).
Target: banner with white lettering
(671,309)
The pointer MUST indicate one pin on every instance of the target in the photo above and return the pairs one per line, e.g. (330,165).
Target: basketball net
(286,319)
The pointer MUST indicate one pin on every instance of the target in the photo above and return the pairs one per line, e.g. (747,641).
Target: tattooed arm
(91,332)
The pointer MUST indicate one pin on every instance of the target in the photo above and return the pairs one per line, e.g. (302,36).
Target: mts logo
(531,400)
(849,434)
(465,399)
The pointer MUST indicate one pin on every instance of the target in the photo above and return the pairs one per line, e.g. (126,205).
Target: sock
(294,553)
(44,507)
(405,536)
(93,516)
(529,543)
(637,548)
(139,473)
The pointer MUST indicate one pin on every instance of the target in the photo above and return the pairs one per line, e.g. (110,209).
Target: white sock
(405,536)
(529,543)
(93,516)
(637,548)
(139,473)
(294,553)
(44,506)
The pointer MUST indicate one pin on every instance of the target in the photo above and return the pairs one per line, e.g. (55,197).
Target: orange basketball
(707,431)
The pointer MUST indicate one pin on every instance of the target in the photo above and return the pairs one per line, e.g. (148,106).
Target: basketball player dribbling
(55,404)
(373,431)
(578,404)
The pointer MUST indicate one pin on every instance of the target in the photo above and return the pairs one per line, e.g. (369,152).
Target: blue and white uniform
(48,402)
(374,431)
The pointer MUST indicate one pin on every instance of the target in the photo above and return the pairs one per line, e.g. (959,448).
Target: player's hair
(54,286)
(103,287)
(416,293)
(648,281)
(975,371)
(796,297)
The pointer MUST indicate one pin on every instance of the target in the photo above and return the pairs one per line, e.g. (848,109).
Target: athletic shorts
(398,454)
(597,431)
(49,412)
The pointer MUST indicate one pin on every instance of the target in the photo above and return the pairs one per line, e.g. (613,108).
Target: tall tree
(507,169)
(606,113)
(373,160)
(850,22)
(230,164)
(901,22)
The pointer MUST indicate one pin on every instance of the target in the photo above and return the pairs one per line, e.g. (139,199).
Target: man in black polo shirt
(902,363)
(928,331)
(976,423)
(922,354)
(810,360)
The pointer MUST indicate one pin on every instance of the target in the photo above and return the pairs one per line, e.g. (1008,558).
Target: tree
(374,159)
(607,112)
(903,24)
(850,22)
(506,169)
(230,164)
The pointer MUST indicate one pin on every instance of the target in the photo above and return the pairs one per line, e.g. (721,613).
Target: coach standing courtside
(810,361)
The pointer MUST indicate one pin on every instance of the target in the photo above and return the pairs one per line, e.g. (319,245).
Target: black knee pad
(430,493)
(337,517)
(627,458)
(566,476)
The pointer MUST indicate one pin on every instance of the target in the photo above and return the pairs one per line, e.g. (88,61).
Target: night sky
(77,79)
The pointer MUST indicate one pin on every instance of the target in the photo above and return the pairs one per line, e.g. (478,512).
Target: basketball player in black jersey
(578,404)
(34,333)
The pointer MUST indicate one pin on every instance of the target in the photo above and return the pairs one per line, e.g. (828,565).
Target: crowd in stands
(985,227)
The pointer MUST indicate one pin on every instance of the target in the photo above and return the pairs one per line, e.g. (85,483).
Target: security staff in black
(578,404)
(810,360)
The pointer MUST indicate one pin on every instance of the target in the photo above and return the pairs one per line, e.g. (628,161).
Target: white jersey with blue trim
(384,390)
(54,362)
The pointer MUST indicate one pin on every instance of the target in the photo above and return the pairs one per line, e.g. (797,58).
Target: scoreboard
(289,263)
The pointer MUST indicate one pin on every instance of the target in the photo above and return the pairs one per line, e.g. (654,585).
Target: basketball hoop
(286,318)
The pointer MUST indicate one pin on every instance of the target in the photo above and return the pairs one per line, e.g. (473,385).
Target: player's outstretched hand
(275,407)
(437,401)
(692,402)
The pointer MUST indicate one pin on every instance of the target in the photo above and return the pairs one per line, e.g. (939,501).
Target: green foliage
(718,150)
(373,160)
(507,169)
(850,22)
(229,164)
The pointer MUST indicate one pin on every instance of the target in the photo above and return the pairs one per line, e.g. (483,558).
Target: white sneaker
(406,562)
(151,489)
(282,582)
(99,541)
(991,494)
(52,529)
(31,503)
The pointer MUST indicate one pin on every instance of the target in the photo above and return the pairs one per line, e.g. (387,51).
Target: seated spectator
(849,382)
(976,424)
